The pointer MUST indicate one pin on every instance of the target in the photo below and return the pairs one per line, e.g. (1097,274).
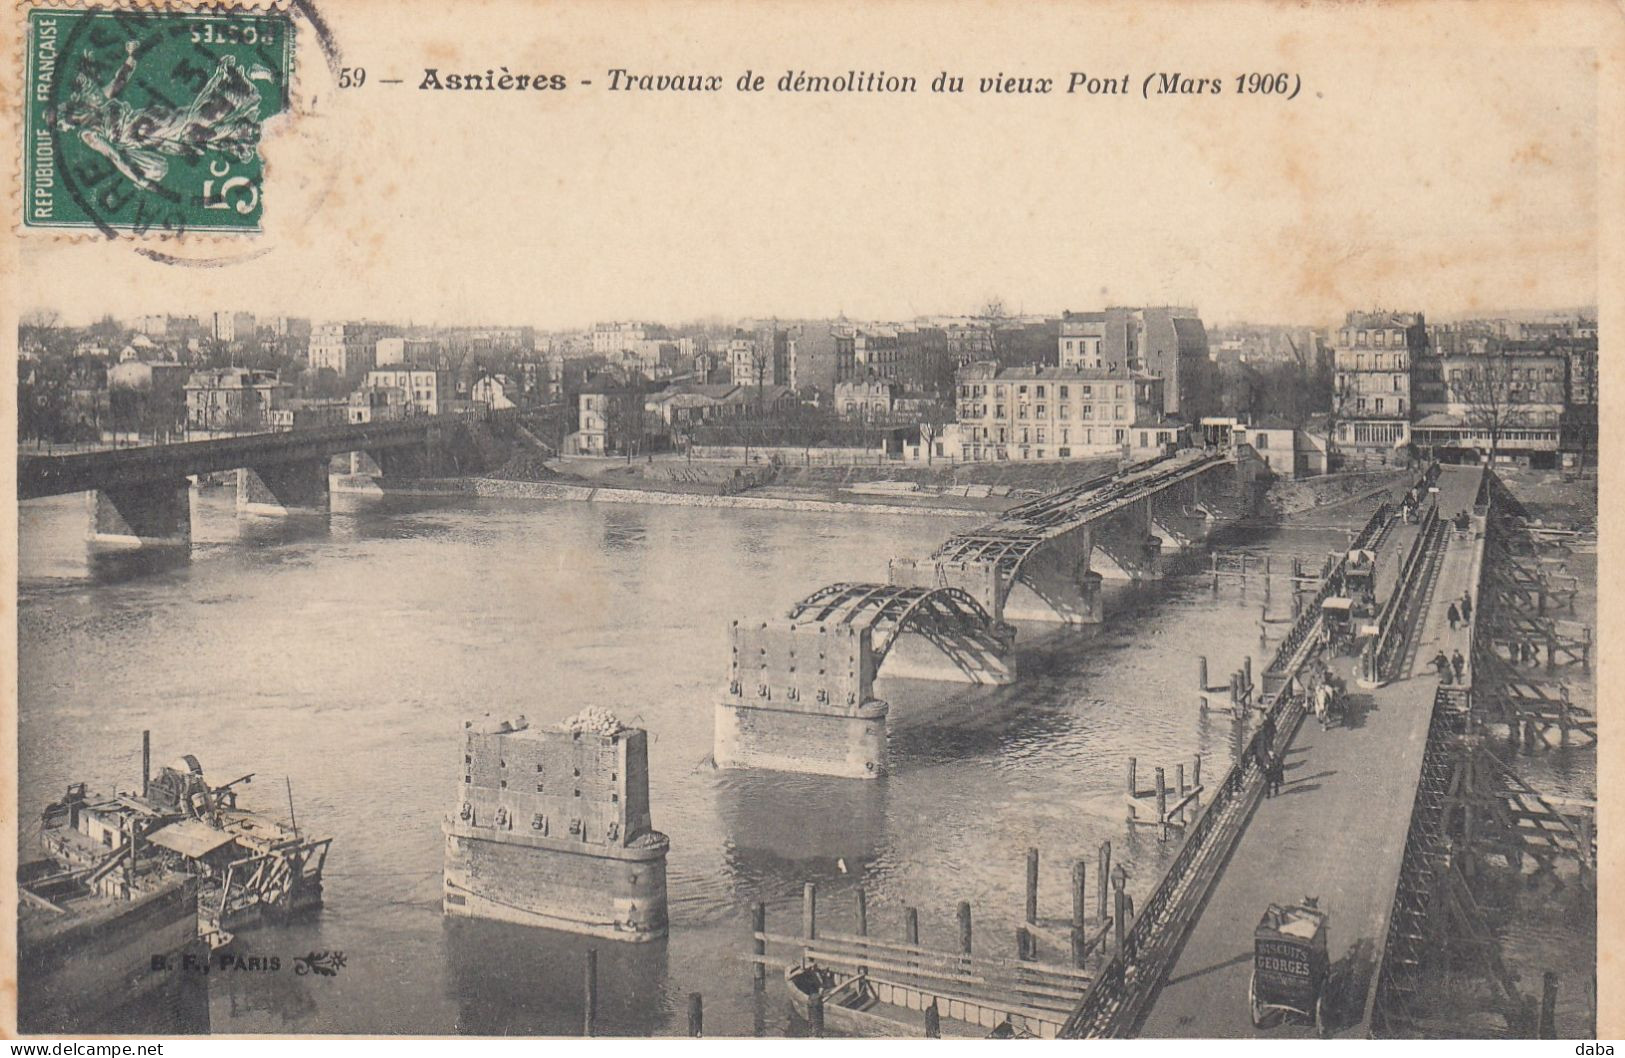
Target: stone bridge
(139,496)
(1044,560)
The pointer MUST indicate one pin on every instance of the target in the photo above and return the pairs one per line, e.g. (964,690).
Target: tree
(1342,393)
(1493,402)
(41,329)
(996,318)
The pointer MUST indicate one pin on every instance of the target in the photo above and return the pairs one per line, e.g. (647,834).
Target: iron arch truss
(945,616)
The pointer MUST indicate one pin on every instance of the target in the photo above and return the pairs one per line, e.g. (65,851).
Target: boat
(113,954)
(861,1004)
(249,868)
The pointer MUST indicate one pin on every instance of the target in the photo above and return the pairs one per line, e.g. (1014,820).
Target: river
(344,652)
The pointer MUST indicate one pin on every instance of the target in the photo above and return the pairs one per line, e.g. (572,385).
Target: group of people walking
(1461,611)
(1451,669)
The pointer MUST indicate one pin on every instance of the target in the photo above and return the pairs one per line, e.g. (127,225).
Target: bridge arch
(949,623)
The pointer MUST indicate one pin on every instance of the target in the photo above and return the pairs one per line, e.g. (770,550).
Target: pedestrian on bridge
(1274,775)
(1455,616)
(1441,665)
(1266,734)
(1466,607)
(1457,664)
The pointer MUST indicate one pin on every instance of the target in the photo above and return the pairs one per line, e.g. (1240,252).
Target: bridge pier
(1052,587)
(149,515)
(281,488)
(982,581)
(799,699)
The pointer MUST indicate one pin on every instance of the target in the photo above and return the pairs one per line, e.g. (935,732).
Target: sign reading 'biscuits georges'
(150,121)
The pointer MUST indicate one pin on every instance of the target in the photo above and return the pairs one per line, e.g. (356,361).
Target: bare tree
(996,317)
(1494,402)
(1342,393)
(38,328)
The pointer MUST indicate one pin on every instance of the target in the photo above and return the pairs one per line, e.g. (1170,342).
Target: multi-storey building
(612,339)
(426,390)
(866,398)
(232,327)
(288,327)
(875,352)
(350,349)
(1083,340)
(1167,341)
(233,399)
(1051,412)
(1511,399)
(405,352)
(610,418)
(924,364)
(1372,356)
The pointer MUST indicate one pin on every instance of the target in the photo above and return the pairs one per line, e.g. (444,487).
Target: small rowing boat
(860,1004)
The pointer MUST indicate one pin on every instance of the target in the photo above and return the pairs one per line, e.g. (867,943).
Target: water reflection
(273,531)
(511,980)
(782,830)
(109,565)
(284,995)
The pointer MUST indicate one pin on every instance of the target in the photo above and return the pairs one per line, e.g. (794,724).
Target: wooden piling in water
(758,947)
(1548,1006)
(964,927)
(1162,806)
(1120,913)
(1131,785)
(1080,891)
(809,915)
(589,1017)
(1213,557)
(1196,771)
(863,921)
(146,761)
(1032,886)
(1201,673)
(1103,870)
(911,926)
(696,1015)
(1179,779)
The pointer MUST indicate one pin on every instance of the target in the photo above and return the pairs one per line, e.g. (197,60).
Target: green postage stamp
(150,121)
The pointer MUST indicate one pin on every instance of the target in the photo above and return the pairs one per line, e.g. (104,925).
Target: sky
(1432,166)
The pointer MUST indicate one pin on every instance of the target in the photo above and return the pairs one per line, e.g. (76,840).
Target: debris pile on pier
(593,720)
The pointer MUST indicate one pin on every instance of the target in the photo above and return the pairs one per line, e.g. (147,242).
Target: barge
(109,952)
(248,867)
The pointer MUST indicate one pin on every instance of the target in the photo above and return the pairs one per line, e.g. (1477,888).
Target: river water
(344,652)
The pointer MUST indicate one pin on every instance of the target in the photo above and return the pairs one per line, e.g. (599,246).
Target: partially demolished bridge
(927,633)
(800,692)
(1044,560)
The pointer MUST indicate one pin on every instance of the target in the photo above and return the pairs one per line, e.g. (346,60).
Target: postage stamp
(150,121)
